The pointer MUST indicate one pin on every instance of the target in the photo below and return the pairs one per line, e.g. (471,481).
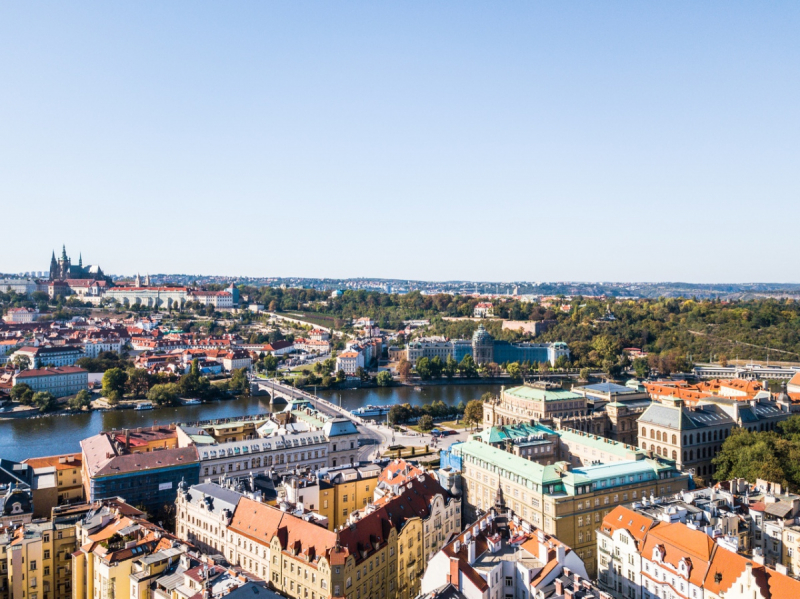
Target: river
(33,437)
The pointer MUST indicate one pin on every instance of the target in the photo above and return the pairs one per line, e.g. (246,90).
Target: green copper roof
(602,444)
(312,420)
(498,434)
(532,393)
(508,462)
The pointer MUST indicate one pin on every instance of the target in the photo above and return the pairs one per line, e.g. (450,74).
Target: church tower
(53,267)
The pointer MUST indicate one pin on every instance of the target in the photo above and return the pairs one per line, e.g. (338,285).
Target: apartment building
(693,435)
(381,552)
(349,362)
(111,538)
(343,491)
(565,501)
(59,381)
(205,512)
(37,557)
(46,355)
(645,558)
(498,558)
(68,475)
(21,315)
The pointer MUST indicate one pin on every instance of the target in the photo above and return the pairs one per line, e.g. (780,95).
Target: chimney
(453,577)
(471,552)
(559,587)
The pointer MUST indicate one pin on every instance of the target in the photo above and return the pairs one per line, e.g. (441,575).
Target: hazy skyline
(426,141)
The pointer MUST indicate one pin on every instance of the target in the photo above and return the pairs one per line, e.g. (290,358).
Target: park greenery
(768,455)
(470,413)
(165,389)
(44,401)
(674,332)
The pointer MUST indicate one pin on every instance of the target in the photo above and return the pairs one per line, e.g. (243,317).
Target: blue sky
(436,140)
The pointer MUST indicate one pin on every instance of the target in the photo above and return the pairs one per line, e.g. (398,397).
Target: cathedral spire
(63,252)
(80,260)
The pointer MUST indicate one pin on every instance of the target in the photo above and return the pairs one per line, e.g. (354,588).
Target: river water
(33,437)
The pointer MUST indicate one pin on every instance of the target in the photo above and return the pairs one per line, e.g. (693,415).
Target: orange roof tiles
(398,472)
(637,525)
(725,569)
(679,542)
(55,460)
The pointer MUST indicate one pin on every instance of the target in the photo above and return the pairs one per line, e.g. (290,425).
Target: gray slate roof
(685,418)
(215,497)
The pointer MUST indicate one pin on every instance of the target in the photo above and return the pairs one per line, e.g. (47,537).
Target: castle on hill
(62,269)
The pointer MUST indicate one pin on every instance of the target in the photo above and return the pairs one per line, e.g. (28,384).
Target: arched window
(644,432)
(674,440)
(652,434)
(674,455)
(658,436)
(684,440)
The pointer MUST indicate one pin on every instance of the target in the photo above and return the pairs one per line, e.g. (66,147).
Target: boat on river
(371,411)
(145,405)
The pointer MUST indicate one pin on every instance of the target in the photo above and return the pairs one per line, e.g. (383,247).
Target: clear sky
(643,141)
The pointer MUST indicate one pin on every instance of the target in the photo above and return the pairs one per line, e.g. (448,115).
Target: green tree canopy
(384,378)
(473,414)
(114,380)
(164,394)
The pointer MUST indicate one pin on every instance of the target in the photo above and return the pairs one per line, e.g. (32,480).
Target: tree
(404,370)
(514,371)
(362,374)
(341,376)
(424,368)
(384,378)
(164,394)
(473,414)
(44,401)
(114,381)
(436,367)
(22,362)
(467,367)
(641,367)
(239,382)
(80,400)
(22,393)
(584,374)
(138,383)
(450,367)
(544,367)
(562,362)
(749,455)
(425,423)
(461,407)
(269,363)
(606,347)
(399,414)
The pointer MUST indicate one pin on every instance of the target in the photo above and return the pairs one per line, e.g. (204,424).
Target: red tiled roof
(56,370)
